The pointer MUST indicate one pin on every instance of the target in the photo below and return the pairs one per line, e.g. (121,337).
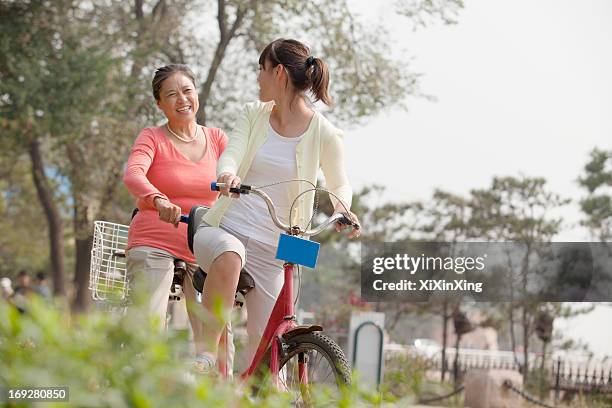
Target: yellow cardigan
(321,147)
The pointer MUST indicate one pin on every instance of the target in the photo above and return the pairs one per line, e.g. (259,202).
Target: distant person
(23,291)
(41,286)
(24,286)
(6,289)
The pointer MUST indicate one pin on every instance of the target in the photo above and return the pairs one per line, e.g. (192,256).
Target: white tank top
(274,161)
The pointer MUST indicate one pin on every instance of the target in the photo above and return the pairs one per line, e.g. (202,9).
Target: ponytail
(305,71)
(318,77)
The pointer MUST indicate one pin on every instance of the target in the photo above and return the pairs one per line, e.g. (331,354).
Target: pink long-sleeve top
(156,168)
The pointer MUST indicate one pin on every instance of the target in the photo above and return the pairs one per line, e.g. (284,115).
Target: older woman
(169,171)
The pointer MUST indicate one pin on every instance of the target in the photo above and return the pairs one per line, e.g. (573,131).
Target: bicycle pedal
(283,349)
(239,299)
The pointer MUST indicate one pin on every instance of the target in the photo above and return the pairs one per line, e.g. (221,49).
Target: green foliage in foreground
(106,361)
(120,361)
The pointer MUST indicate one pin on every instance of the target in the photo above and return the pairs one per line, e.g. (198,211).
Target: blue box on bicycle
(297,250)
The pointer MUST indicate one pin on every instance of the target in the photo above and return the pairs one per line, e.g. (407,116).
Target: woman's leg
(222,256)
(218,297)
(151,271)
(194,311)
(267,272)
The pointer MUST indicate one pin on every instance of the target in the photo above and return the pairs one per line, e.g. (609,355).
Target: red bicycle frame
(281,322)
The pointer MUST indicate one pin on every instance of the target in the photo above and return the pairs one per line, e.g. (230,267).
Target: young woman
(279,138)
(169,171)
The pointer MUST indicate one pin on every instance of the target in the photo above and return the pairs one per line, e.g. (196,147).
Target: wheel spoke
(317,362)
(324,363)
(327,376)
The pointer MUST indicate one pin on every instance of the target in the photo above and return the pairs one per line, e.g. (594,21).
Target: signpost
(366,340)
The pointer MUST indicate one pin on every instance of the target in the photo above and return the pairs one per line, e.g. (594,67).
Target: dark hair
(165,72)
(22,273)
(305,71)
(41,276)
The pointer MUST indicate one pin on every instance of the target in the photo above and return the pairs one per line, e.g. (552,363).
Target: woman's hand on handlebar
(355,228)
(230,180)
(168,212)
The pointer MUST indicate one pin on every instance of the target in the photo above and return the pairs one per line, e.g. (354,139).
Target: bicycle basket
(108,273)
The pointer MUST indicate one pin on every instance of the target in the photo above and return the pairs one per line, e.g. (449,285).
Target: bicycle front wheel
(314,369)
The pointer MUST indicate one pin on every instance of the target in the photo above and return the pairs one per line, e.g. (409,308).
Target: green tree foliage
(68,102)
(337,278)
(518,210)
(21,214)
(76,75)
(421,12)
(512,209)
(597,206)
(104,362)
(365,78)
(59,75)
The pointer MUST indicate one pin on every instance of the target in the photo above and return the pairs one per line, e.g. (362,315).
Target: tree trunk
(226,34)
(525,345)
(84,214)
(456,362)
(445,318)
(52,214)
(543,387)
(525,317)
(81,223)
(513,337)
(83,241)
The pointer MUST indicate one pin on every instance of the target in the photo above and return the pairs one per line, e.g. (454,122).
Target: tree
(597,206)
(29,46)
(93,59)
(365,78)
(23,237)
(421,12)
(449,217)
(516,210)
(70,106)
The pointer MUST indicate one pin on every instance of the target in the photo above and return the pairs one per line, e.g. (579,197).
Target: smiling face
(178,98)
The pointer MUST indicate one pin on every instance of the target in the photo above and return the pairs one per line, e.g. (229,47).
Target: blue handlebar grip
(185,219)
(214,187)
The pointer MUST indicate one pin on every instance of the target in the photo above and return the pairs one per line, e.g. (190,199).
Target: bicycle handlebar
(246,189)
(243,189)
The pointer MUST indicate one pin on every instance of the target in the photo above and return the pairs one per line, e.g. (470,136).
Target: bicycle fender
(302,329)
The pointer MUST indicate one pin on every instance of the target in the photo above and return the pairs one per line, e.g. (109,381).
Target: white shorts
(259,261)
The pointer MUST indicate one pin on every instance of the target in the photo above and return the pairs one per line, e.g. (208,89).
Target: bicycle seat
(245,281)
(195,218)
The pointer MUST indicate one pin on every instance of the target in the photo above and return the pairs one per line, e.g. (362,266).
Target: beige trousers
(152,270)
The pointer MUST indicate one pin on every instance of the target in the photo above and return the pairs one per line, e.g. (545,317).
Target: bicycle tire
(310,343)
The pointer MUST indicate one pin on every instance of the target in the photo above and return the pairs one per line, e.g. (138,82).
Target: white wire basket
(108,280)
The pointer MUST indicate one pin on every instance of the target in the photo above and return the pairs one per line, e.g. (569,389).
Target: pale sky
(522,87)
